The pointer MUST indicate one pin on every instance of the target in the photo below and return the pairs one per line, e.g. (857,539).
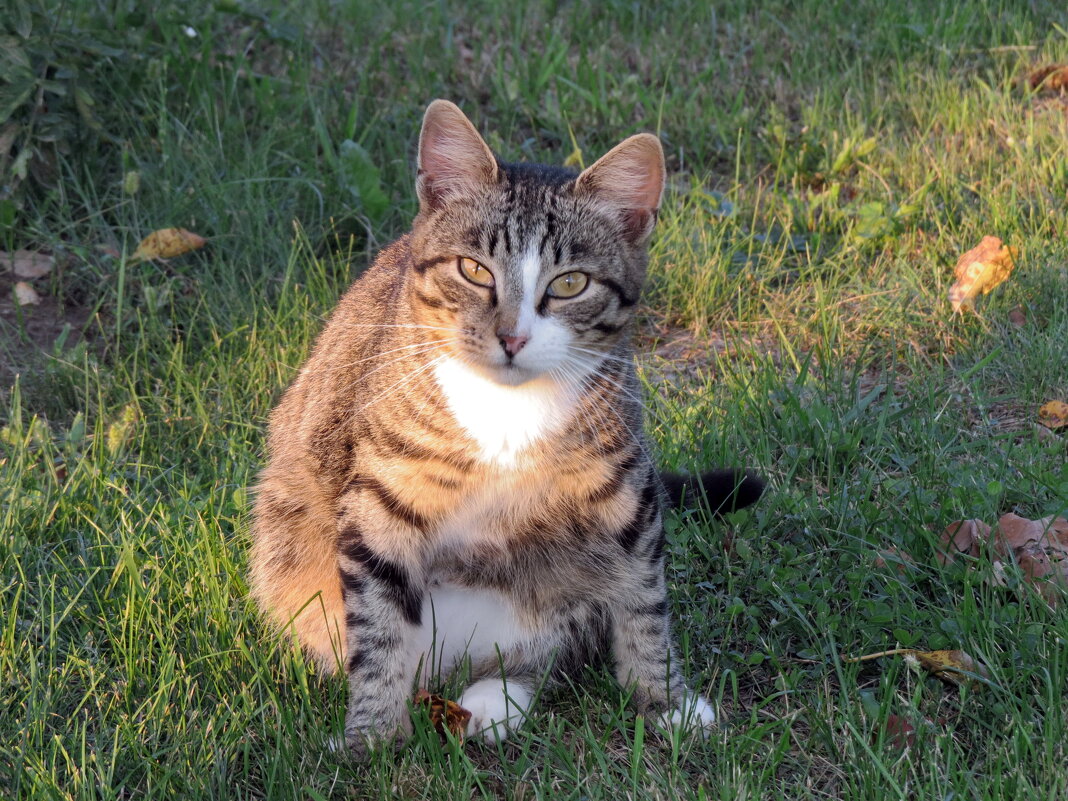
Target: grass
(830,161)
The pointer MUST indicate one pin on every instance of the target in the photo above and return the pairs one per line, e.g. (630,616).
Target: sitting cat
(458,473)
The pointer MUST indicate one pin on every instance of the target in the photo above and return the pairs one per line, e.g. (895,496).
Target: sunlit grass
(829,162)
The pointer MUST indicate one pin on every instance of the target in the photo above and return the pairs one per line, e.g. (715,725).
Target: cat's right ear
(453,158)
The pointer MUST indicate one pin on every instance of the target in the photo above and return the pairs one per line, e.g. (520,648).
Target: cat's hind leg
(293,572)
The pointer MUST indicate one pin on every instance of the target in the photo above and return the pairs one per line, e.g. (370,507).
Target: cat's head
(529,271)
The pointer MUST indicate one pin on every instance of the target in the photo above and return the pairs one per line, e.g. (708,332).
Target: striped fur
(431,499)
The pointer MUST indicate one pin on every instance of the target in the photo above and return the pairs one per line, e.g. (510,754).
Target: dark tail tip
(723,490)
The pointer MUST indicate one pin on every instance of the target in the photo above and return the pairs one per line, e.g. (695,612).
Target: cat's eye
(568,285)
(475,272)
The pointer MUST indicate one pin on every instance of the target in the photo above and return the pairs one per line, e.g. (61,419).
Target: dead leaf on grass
(896,557)
(167,243)
(1018,316)
(900,734)
(1050,78)
(1053,414)
(1039,547)
(445,715)
(962,536)
(27,263)
(980,270)
(954,666)
(26,295)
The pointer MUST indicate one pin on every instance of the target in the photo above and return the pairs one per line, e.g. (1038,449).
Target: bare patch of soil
(27,333)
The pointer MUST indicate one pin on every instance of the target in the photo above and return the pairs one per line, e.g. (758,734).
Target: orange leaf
(1053,414)
(980,270)
(167,243)
(1051,78)
(445,715)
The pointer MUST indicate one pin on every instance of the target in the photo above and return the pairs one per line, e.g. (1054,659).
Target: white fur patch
(695,713)
(496,708)
(461,621)
(504,420)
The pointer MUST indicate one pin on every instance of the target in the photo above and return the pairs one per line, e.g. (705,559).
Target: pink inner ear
(452,156)
(631,177)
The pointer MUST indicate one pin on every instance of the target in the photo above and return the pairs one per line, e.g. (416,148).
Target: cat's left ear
(629,177)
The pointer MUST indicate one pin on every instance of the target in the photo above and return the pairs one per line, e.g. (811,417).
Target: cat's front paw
(360,743)
(693,714)
(496,708)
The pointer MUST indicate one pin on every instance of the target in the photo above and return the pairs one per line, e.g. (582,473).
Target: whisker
(431,344)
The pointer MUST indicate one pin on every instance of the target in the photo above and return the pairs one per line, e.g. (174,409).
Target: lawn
(829,162)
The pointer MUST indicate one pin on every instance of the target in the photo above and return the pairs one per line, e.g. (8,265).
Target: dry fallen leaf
(26,295)
(1051,78)
(896,557)
(27,263)
(1018,316)
(954,666)
(445,715)
(900,734)
(980,270)
(1054,414)
(962,536)
(167,243)
(1040,548)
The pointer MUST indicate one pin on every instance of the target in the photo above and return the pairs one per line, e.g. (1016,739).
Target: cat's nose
(512,345)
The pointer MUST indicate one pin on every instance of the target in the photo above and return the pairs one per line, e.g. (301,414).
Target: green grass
(807,265)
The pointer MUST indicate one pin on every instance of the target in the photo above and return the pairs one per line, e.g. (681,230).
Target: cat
(458,477)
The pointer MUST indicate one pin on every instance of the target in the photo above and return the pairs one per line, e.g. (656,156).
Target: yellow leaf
(575,158)
(167,243)
(954,666)
(1053,414)
(980,270)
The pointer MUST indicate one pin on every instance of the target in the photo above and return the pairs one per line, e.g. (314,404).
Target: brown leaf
(1050,78)
(167,243)
(1053,414)
(27,263)
(900,734)
(1018,316)
(445,715)
(896,557)
(1040,548)
(26,295)
(962,536)
(980,270)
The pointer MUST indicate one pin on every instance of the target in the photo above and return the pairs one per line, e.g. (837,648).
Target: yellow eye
(475,272)
(568,285)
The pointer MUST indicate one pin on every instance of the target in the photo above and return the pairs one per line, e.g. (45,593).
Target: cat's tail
(723,490)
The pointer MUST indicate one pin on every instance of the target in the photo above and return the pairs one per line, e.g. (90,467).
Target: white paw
(695,713)
(496,708)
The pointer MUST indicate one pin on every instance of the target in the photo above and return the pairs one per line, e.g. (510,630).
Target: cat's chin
(510,375)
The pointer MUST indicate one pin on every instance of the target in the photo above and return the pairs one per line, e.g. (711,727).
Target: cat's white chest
(502,420)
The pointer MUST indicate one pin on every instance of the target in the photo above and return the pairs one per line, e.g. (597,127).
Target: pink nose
(512,345)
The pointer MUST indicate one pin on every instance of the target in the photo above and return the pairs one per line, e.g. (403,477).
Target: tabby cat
(458,477)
